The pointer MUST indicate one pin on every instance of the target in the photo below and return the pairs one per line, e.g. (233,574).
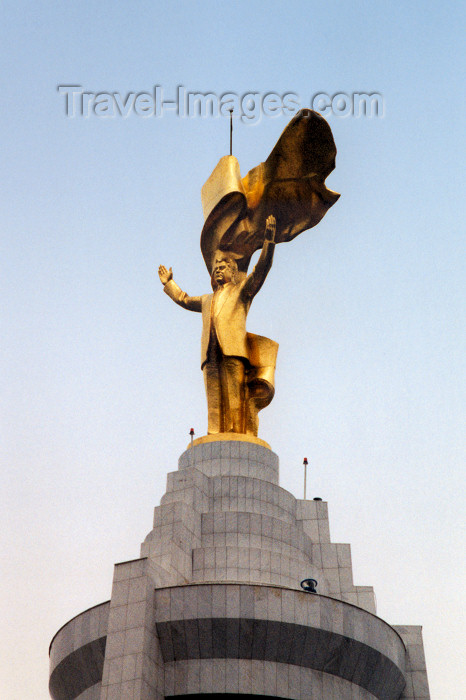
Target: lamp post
(305,475)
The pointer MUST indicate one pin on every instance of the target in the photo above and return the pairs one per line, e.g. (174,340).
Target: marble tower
(213,607)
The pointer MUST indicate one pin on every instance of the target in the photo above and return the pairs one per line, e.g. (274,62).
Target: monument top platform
(231,454)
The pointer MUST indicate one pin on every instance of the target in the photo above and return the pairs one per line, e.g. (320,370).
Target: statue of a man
(275,202)
(229,355)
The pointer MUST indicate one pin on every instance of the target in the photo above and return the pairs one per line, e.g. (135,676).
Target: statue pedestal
(229,437)
(214,604)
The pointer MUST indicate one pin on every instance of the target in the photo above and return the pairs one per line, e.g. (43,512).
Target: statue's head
(224,270)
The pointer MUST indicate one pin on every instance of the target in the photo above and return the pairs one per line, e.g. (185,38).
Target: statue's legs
(213,392)
(224,379)
(252,415)
(233,395)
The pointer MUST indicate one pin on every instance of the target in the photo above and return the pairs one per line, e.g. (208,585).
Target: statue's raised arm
(174,292)
(257,277)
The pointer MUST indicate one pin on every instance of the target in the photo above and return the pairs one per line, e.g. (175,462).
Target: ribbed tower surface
(214,607)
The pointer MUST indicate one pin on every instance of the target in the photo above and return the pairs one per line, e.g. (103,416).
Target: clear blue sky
(101,379)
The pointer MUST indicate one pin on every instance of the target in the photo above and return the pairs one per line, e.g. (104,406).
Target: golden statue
(275,202)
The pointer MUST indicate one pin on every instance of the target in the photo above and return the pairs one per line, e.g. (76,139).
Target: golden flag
(290,185)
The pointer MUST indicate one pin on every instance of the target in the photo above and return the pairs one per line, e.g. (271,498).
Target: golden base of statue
(226,437)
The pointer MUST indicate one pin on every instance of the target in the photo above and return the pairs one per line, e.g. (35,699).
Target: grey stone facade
(214,604)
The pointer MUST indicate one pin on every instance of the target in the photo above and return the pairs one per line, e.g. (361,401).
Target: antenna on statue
(231,131)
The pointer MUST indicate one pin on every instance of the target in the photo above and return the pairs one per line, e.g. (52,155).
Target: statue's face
(222,271)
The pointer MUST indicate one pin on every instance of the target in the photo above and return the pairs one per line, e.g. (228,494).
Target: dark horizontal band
(282,642)
(78,671)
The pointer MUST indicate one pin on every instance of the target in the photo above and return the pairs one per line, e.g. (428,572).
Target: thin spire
(231,132)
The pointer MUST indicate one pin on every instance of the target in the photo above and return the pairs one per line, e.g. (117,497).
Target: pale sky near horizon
(100,371)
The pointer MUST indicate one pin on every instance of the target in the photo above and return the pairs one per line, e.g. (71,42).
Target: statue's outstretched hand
(165,275)
(270,228)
